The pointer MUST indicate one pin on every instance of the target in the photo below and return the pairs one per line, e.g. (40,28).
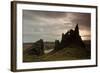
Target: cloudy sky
(49,25)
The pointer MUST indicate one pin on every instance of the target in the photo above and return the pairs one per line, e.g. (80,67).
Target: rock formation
(70,39)
(57,43)
(37,48)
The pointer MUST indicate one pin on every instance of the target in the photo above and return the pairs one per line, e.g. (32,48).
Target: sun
(85,35)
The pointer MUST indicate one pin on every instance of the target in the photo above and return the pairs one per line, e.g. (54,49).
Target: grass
(64,54)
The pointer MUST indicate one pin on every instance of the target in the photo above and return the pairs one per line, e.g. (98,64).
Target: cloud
(50,25)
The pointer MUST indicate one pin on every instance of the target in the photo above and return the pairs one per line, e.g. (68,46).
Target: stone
(37,48)
(57,43)
(70,39)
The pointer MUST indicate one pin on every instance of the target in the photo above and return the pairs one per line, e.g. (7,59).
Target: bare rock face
(57,43)
(37,48)
(70,39)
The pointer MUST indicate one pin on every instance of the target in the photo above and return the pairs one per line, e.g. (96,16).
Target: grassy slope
(64,54)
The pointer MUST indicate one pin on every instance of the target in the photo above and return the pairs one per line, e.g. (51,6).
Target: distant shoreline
(46,41)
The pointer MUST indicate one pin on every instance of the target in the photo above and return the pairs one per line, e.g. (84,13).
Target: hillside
(67,54)
(64,54)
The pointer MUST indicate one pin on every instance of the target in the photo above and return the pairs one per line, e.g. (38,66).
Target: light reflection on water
(47,51)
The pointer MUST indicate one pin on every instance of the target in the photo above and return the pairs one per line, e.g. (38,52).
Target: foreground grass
(64,54)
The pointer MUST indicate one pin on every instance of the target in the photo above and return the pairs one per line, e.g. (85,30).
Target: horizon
(48,41)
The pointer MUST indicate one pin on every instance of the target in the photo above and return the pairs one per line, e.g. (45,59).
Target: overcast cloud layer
(49,26)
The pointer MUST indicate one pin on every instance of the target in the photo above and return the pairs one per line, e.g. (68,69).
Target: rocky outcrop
(57,43)
(37,48)
(70,39)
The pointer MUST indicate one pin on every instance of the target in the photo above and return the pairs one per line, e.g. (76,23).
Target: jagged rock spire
(77,29)
(71,38)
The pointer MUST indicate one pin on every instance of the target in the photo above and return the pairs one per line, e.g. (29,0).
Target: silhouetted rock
(37,48)
(71,39)
(57,45)
(77,30)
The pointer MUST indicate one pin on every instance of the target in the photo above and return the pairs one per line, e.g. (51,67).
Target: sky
(49,25)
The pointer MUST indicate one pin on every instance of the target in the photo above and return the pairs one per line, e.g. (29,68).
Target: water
(47,51)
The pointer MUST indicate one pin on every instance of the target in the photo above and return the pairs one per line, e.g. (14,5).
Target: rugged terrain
(71,47)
